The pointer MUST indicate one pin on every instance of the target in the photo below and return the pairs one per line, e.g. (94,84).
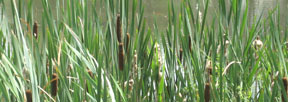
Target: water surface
(158,9)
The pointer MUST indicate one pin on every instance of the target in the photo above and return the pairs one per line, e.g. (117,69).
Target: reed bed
(225,59)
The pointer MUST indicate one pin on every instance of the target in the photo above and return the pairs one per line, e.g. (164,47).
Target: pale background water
(158,9)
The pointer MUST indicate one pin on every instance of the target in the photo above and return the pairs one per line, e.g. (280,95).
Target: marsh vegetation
(113,51)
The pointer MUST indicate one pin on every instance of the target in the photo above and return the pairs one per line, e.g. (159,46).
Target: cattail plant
(207,92)
(209,67)
(135,67)
(127,42)
(257,43)
(54,84)
(90,73)
(181,54)
(209,73)
(121,57)
(134,74)
(130,84)
(119,28)
(35,30)
(209,70)
(285,82)
(28,95)
(273,80)
(190,43)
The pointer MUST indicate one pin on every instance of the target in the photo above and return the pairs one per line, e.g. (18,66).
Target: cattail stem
(121,57)
(119,28)
(35,30)
(207,92)
(285,82)
(54,85)
(28,95)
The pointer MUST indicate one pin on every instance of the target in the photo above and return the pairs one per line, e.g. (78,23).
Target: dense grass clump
(80,52)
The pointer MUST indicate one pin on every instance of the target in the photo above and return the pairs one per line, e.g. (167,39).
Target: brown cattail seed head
(119,28)
(285,82)
(90,73)
(28,95)
(35,30)
(190,43)
(120,47)
(207,92)
(54,84)
(181,54)
(121,56)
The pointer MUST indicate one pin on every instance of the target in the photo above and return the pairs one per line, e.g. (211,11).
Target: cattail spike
(54,84)
(127,42)
(190,43)
(121,56)
(35,30)
(119,28)
(28,95)
(207,92)
(90,73)
(285,82)
(181,54)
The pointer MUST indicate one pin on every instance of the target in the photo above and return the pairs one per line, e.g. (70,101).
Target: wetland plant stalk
(35,30)
(54,85)
(28,95)
(127,42)
(207,92)
(285,82)
(119,28)
(121,57)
